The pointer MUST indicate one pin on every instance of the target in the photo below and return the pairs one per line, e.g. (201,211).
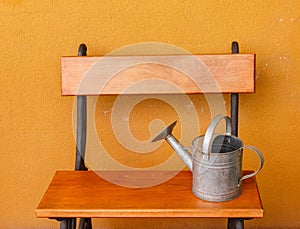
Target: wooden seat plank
(86,194)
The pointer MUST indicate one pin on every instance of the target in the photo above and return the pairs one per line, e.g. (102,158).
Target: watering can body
(216,161)
(216,176)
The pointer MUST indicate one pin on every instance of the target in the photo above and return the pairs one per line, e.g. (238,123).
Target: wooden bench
(85,194)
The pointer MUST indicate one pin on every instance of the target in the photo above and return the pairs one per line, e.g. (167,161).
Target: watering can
(216,161)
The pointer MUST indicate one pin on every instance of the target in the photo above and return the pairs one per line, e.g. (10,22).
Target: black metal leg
(81,123)
(234,113)
(235,98)
(85,223)
(235,223)
(73,223)
(81,133)
(64,224)
(67,223)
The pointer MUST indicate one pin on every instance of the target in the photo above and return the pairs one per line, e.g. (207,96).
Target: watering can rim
(195,144)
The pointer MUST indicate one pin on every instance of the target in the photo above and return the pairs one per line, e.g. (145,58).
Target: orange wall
(36,121)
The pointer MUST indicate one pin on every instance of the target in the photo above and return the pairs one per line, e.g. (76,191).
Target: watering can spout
(184,154)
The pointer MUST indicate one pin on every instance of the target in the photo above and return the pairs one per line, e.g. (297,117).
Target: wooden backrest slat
(188,74)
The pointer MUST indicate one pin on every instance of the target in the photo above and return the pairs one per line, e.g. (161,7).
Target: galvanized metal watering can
(216,161)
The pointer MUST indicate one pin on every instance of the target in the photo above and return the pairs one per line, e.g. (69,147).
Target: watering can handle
(210,131)
(261,161)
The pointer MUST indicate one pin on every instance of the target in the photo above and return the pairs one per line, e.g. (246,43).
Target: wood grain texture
(158,74)
(85,194)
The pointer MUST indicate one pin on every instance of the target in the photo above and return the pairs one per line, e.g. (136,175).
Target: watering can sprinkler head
(165,132)
(184,154)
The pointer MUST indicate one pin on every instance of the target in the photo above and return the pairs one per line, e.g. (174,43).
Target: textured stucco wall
(36,121)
